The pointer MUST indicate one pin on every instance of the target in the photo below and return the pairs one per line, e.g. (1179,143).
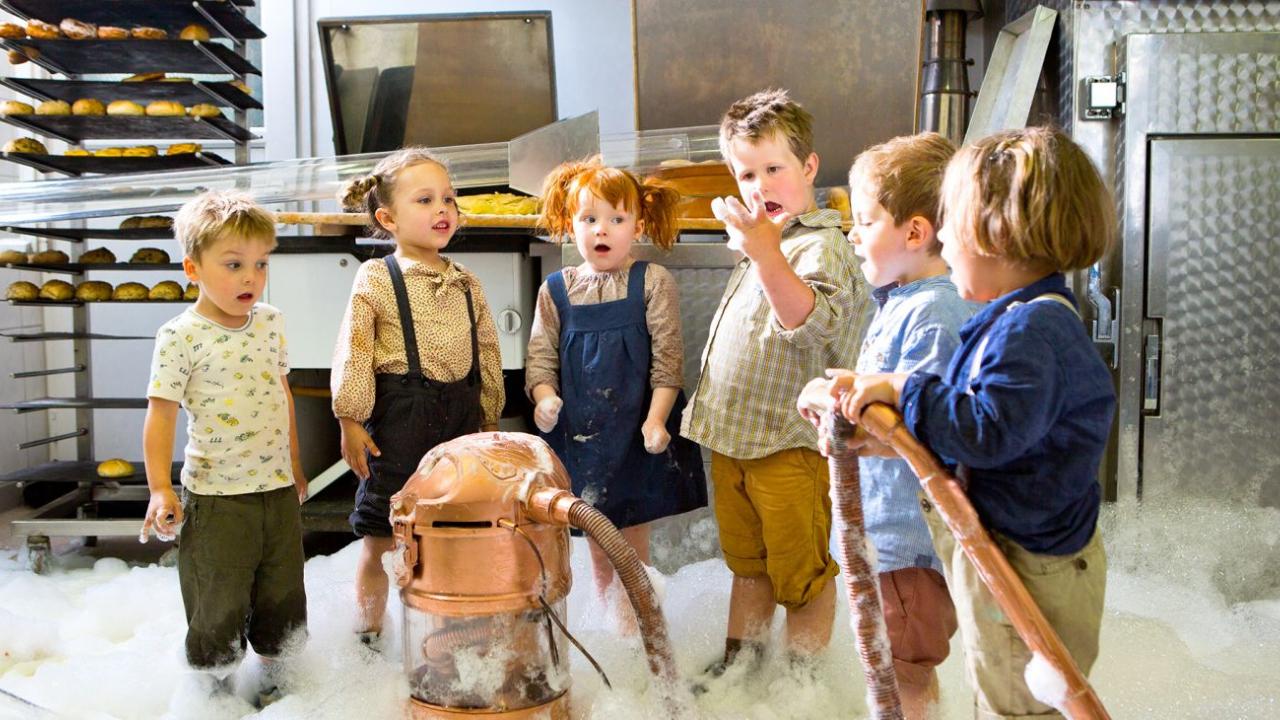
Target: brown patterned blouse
(370,341)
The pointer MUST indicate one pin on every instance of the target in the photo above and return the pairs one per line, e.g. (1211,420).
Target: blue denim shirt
(915,328)
(1033,431)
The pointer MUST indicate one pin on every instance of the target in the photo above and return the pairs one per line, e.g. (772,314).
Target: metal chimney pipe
(945,96)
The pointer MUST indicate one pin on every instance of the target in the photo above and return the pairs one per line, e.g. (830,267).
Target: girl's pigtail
(362,194)
(555,216)
(658,203)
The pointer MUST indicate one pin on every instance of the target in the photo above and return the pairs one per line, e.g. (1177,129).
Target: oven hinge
(1104,96)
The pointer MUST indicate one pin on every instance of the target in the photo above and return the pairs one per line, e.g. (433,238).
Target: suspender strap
(406,316)
(474,374)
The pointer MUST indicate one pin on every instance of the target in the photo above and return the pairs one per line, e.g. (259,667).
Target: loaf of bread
(109,32)
(49,257)
(22,290)
(183,149)
(57,290)
(78,29)
(192,292)
(97,256)
(13,257)
(130,291)
(15,107)
(139,222)
(148,33)
(149,256)
(54,107)
(194,32)
(88,106)
(109,152)
(93,291)
(12,31)
(25,145)
(42,30)
(141,151)
(165,108)
(115,468)
(76,152)
(166,290)
(125,107)
(204,110)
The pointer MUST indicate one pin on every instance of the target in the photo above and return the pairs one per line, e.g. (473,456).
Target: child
(791,309)
(223,359)
(417,360)
(605,350)
(1025,405)
(894,197)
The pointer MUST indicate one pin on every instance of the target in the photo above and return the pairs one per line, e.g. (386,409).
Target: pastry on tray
(204,110)
(192,292)
(88,106)
(49,257)
(42,30)
(165,108)
(139,222)
(15,257)
(242,86)
(54,107)
(149,256)
(109,32)
(57,290)
(130,292)
(141,151)
(144,77)
(148,33)
(25,145)
(76,152)
(115,468)
(165,290)
(15,107)
(78,29)
(194,32)
(22,290)
(12,31)
(97,256)
(109,152)
(17,57)
(183,149)
(125,107)
(93,291)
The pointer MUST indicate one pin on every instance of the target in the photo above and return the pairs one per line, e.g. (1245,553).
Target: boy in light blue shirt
(894,190)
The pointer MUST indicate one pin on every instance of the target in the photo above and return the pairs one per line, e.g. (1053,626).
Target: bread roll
(88,106)
(141,151)
(175,78)
(26,145)
(108,32)
(77,152)
(17,57)
(57,290)
(149,256)
(138,222)
(183,149)
(148,33)
(109,152)
(42,30)
(13,256)
(54,107)
(115,468)
(12,31)
(78,29)
(22,290)
(194,32)
(192,292)
(125,107)
(49,257)
(242,86)
(97,256)
(93,291)
(166,290)
(204,110)
(130,292)
(165,108)
(15,107)
(145,77)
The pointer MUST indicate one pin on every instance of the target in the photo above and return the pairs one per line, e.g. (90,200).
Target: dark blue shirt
(1031,426)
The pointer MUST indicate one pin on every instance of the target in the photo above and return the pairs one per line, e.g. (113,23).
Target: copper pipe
(886,425)
(861,582)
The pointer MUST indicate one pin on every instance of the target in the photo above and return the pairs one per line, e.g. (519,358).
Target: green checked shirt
(753,369)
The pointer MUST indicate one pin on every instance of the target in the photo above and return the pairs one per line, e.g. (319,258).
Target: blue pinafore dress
(605,353)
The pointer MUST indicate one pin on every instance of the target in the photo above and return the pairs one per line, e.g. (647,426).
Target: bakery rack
(70,499)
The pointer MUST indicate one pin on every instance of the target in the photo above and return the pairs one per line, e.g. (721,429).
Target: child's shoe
(744,657)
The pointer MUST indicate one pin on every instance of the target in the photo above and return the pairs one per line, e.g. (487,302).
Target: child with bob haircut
(223,360)
(792,308)
(417,361)
(605,365)
(1025,406)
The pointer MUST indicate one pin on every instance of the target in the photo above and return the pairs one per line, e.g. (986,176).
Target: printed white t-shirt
(228,380)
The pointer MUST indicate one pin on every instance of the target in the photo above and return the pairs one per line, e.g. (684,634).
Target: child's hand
(164,514)
(547,413)
(356,447)
(750,229)
(300,483)
(656,437)
(815,400)
(862,390)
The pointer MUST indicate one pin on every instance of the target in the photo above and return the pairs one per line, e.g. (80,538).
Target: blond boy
(223,360)
(791,309)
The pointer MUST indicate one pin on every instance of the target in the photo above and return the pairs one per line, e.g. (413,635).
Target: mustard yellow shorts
(774,515)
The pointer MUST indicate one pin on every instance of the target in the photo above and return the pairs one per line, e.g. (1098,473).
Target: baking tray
(82,268)
(223,94)
(90,165)
(78,128)
(88,57)
(220,18)
(85,403)
(76,471)
(81,234)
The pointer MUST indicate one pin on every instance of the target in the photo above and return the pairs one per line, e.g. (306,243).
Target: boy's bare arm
(164,511)
(295,451)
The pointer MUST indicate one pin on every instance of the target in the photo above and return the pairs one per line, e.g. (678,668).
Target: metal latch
(1104,96)
(1151,375)
(1106,325)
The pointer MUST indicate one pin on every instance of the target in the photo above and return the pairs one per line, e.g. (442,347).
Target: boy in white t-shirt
(223,360)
